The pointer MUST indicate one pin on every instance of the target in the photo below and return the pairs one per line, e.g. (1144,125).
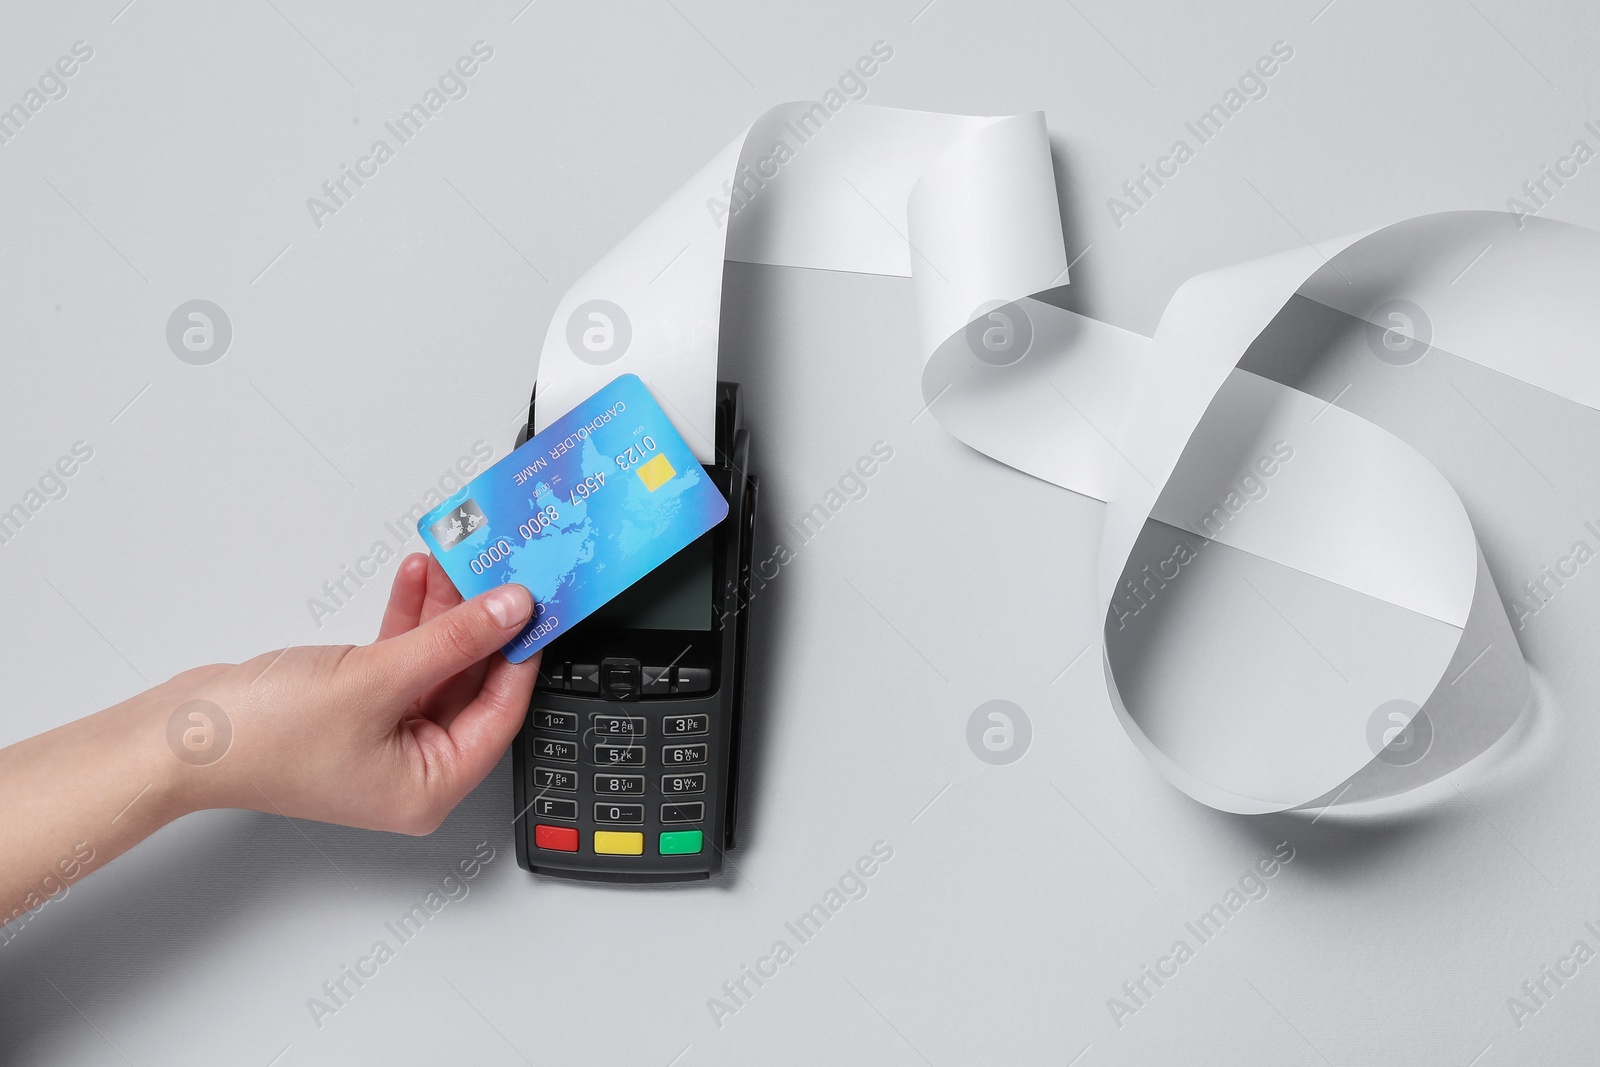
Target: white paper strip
(1312,533)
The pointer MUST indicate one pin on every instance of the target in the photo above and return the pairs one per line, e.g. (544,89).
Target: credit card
(607,493)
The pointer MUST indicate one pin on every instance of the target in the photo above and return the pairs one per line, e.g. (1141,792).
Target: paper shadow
(748,332)
(1078,294)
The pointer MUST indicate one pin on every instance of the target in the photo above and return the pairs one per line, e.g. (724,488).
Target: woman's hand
(386,736)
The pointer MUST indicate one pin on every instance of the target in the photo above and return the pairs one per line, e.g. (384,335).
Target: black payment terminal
(627,766)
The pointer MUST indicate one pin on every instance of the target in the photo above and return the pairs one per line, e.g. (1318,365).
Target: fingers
(451,695)
(406,596)
(442,594)
(484,728)
(413,662)
(457,756)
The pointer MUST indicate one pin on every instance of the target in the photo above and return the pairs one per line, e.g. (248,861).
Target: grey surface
(370,354)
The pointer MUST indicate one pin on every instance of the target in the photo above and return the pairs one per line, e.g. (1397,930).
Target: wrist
(167,733)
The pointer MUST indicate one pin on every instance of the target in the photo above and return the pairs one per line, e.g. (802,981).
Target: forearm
(387,736)
(75,798)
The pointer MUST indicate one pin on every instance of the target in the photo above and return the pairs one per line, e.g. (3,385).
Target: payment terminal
(627,767)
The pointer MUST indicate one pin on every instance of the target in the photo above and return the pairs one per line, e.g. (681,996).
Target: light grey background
(370,353)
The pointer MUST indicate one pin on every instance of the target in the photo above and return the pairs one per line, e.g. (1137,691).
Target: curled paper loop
(1296,608)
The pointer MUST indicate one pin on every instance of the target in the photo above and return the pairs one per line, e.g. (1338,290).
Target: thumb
(452,641)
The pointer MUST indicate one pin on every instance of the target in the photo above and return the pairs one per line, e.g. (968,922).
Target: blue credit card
(606,494)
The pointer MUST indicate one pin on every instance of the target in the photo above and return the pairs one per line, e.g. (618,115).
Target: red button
(557,838)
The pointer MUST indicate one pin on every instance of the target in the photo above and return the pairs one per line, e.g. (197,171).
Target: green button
(680,842)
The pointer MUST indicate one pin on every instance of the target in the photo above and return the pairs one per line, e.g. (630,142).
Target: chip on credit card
(607,493)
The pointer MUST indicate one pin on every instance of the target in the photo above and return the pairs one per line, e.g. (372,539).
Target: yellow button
(618,843)
(656,473)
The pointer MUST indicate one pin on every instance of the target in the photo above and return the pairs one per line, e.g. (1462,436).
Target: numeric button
(564,722)
(683,755)
(561,751)
(619,785)
(682,725)
(619,755)
(678,784)
(606,811)
(618,726)
(555,778)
